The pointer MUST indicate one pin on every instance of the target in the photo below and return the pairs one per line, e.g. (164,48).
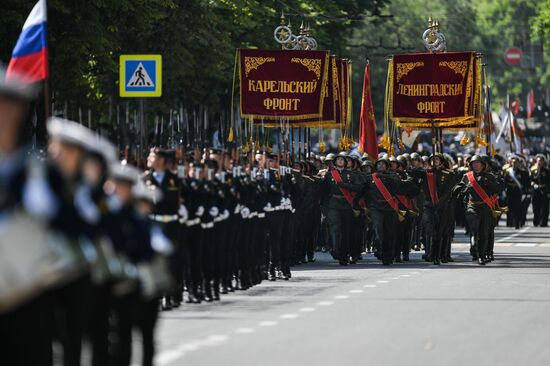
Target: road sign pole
(141,127)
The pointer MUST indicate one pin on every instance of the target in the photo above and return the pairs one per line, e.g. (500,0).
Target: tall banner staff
(29,59)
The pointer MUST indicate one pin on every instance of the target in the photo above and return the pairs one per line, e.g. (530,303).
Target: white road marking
(325,303)
(245,330)
(526,245)
(166,357)
(382,281)
(341,297)
(513,235)
(355,291)
(289,316)
(503,245)
(171,355)
(545,245)
(307,309)
(267,323)
(213,340)
(415,272)
(405,275)
(369,286)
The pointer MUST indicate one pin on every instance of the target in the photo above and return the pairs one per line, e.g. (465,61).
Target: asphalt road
(367,314)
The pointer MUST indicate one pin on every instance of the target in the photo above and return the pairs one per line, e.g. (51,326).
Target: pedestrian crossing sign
(140,76)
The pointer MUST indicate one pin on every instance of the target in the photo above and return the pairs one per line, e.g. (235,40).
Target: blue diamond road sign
(140,76)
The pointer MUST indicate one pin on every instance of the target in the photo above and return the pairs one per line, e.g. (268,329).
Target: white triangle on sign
(140,78)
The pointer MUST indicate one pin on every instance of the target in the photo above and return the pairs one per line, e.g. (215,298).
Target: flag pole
(47,92)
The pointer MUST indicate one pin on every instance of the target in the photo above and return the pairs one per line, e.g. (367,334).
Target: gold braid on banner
(472,116)
(253,117)
(385,143)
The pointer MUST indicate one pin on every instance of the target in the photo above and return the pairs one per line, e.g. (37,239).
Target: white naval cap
(70,132)
(124,172)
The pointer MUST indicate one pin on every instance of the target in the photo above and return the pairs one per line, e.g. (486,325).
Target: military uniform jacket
(444,182)
(464,190)
(540,179)
(375,199)
(331,192)
(170,188)
(512,186)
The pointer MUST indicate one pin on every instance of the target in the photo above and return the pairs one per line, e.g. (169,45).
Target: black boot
(208,292)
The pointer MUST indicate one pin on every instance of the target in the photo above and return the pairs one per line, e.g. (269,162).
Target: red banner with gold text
(282,84)
(435,89)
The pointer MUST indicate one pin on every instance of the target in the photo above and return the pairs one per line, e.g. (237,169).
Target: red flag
(530,103)
(367,129)
(515,106)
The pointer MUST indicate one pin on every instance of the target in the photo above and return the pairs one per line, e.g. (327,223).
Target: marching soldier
(338,207)
(379,192)
(436,182)
(166,214)
(516,188)
(479,189)
(540,182)
(404,240)
(36,191)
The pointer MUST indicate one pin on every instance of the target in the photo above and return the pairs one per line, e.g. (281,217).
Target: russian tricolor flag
(30,56)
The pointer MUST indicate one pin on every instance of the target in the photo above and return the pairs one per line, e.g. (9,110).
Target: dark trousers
(145,319)
(194,245)
(540,208)
(287,240)
(356,243)
(433,228)
(481,222)
(98,327)
(210,269)
(123,308)
(26,334)
(403,237)
(71,309)
(340,227)
(515,213)
(275,222)
(173,231)
(385,223)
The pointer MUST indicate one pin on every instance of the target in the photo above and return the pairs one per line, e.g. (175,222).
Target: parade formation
(96,244)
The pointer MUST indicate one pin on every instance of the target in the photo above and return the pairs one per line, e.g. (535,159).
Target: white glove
(159,242)
(245,212)
(214,211)
(184,214)
(200,211)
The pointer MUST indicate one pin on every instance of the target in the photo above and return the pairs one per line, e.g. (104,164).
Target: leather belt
(164,218)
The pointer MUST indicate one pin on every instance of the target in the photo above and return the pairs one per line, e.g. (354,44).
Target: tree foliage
(198,39)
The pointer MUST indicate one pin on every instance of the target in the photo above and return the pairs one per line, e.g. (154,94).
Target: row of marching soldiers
(92,248)
(81,263)
(404,203)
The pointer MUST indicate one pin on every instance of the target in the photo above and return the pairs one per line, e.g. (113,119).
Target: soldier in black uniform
(338,209)
(405,234)
(516,188)
(416,164)
(379,192)
(166,214)
(540,182)
(479,189)
(436,183)
(26,313)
